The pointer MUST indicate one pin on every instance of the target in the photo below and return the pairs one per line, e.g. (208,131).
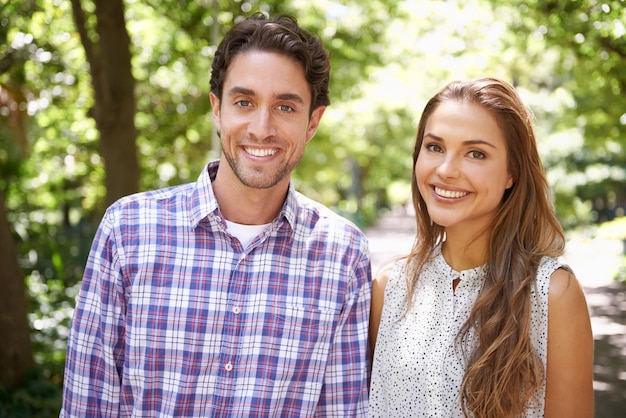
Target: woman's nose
(449,167)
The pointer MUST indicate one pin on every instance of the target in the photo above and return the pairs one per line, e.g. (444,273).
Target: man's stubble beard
(261,180)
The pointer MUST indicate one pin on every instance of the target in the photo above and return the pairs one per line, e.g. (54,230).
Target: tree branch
(81,27)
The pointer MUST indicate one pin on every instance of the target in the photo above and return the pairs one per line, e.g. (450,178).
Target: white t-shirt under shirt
(245,233)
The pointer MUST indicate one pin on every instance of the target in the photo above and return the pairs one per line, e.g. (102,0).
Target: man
(234,295)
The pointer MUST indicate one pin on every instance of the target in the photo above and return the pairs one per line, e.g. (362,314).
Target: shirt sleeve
(345,388)
(95,351)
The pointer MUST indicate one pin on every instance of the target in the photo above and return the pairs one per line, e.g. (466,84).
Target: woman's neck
(463,252)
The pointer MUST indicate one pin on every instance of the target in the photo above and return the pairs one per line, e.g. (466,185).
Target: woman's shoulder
(548,267)
(564,284)
(557,281)
(389,273)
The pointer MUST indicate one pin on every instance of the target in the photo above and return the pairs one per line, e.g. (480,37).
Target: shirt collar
(202,201)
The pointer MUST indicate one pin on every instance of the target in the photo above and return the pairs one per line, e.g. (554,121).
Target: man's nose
(261,124)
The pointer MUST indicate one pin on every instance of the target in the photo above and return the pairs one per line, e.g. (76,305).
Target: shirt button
(228,367)
(236,310)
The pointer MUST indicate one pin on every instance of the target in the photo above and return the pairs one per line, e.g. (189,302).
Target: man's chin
(260,181)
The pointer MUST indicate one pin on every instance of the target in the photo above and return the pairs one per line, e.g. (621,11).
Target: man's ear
(314,122)
(215,110)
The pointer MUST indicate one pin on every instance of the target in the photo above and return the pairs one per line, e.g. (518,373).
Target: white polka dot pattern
(418,369)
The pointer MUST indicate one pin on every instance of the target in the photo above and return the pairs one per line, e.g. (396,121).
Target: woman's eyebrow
(468,142)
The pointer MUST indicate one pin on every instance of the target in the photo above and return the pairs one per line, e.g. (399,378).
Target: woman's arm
(569,375)
(378,295)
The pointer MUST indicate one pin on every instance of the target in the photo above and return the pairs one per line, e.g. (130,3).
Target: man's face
(263,118)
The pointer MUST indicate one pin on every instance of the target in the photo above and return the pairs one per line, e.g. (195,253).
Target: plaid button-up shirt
(176,319)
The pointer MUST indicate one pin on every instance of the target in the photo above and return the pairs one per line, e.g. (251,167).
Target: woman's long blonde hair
(504,370)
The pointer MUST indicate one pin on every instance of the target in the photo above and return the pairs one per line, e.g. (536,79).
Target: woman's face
(461,169)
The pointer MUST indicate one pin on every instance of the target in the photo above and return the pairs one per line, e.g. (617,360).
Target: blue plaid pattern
(176,319)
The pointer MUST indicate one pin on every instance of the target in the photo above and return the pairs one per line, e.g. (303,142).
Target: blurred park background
(102,98)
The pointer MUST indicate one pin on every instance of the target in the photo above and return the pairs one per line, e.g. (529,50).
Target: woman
(481,319)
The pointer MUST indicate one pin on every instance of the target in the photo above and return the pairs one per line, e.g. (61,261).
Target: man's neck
(246,205)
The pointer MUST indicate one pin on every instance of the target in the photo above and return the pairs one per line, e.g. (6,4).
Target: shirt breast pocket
(295,342)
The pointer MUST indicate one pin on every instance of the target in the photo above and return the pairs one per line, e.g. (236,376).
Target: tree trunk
(113,84)
(16,353)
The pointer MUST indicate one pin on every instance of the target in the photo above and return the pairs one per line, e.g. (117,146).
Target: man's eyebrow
(469,142)
(291,97)
(240,90)
(248,92)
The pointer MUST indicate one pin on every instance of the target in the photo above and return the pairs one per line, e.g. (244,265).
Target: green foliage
(579,48)
(39,397)
(615,229)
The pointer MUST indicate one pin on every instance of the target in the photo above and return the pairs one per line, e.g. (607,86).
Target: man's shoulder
(158,199)
(314,210)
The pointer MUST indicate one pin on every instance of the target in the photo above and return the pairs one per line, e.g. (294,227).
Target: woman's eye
(479,155)
(433,147)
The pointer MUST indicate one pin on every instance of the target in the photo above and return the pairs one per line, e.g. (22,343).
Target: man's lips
(260,152)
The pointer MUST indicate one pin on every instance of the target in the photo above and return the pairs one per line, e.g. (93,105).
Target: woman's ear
(510,182)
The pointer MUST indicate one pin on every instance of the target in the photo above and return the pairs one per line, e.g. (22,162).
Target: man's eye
(243,103)
(285,108)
